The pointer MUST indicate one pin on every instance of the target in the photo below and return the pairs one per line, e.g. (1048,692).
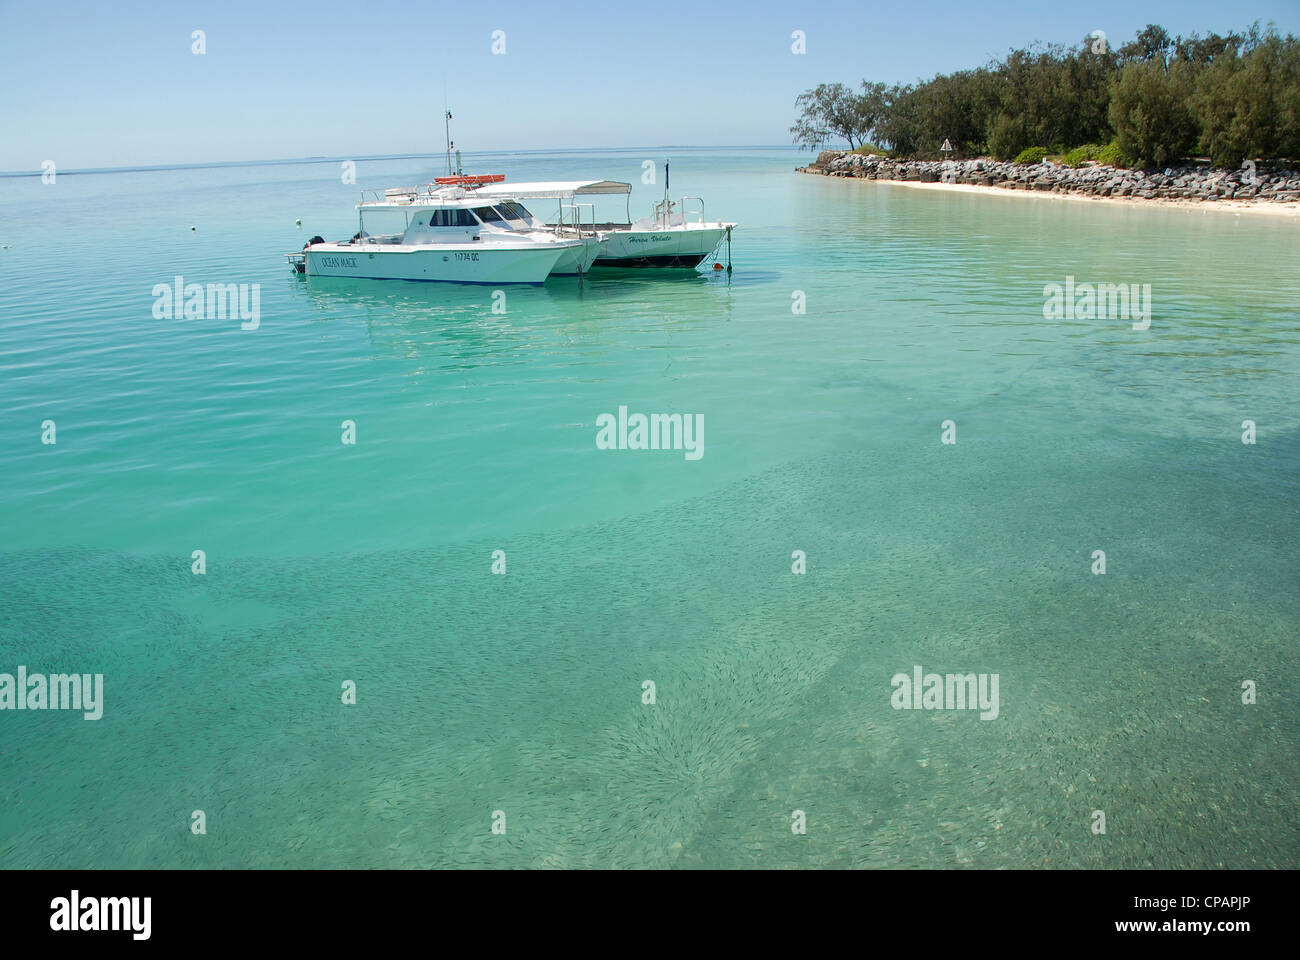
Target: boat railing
(407,195)
(668,213)
(571,220)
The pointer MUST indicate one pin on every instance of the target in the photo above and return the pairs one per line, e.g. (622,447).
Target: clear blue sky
(107,84)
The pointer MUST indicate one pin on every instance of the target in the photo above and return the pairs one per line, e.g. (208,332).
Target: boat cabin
(429,218)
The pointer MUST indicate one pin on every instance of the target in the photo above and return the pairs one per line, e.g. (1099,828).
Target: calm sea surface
(523,693)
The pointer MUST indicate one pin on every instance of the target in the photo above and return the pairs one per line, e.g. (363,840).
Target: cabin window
(452,218)
(513,210)
(489,215)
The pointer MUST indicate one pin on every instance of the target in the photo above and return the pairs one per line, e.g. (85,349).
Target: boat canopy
(422,201)
(552,189)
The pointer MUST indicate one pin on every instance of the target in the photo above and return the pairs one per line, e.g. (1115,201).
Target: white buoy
(191,229)
(298,223)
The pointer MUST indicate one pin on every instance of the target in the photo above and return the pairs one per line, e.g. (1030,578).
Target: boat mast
(447,128)
(667,208)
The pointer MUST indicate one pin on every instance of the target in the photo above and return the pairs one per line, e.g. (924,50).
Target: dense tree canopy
(1157,98)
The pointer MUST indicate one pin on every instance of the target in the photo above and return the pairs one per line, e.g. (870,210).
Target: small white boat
(674,235)
(666,238)
(449,234)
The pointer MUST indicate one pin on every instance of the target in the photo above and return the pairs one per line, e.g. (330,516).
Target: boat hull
(667,260)
(674,247)
(485,264)
(576,260)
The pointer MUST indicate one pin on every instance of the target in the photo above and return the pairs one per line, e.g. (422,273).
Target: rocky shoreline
(1182,183)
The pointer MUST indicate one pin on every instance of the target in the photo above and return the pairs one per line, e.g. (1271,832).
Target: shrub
(1081,155)
(1031,155)
(1111,156)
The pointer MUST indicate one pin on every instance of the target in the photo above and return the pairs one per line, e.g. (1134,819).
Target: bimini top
(416,197)
(551,189)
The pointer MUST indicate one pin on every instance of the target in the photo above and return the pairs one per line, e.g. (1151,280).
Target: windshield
(490,215)
(513,210)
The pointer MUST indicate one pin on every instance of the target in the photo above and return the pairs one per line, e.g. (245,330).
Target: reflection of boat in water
(674,235)
(447,234)
(454,327)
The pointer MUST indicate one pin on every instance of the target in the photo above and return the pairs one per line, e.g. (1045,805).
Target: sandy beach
(1235,207)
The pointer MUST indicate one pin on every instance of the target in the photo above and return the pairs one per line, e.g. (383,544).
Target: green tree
(829,109)
(1153,43)
(1205,50)
(900,128)
(1150,112)
(1247,99)
(872,107)
(1158,98)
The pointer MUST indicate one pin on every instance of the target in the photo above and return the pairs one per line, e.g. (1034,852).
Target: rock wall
(1173,183)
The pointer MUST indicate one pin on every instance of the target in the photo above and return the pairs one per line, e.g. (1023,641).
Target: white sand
(1264,208)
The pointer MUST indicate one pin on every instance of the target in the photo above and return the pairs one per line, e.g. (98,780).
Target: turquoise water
(476,432)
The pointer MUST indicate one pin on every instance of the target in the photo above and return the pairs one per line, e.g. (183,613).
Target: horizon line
(212,164)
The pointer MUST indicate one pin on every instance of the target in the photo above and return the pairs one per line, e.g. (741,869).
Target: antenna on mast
(447,125)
